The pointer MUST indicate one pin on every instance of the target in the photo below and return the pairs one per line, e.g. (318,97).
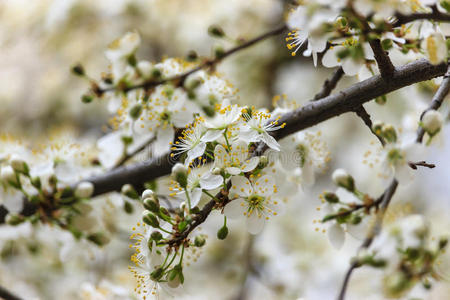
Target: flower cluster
(344,30)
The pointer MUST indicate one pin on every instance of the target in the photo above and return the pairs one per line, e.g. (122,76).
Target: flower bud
(222,233)
(219,52)
(343,179)
(9,176)
(98,238)
(179,172)
(18,164)
(175,276)
(135,111)
(14,219)
(157,274)
(156,235)
(216,31)
(128,207)
(36,182)
(199,241)
(78,70)
(150,219)
(148,193)
(84,189)
(87,98)
(191,56)
(377,127)
(331,197)
(432,122)
(151,204)
(216,171)
(129,191)
(263,162)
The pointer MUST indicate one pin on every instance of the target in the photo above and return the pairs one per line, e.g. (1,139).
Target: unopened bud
(222,233)
(135,111)
(9,176)
(128,207)
(191,56)
(36,182)
(216,171)
(129,191)
(219,52)
(432,122)
(263,162)
(14,219)
(78,70)
(151,204)
(84,189)
(216,31)
(199,241)
(157,274)
(150,219)
(331,197)
(18,164)
(87,98)
(343,179)
(156,235)
(179,172)
(98,238)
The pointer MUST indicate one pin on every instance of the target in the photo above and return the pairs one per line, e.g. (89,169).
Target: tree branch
(207,63)
(304,117)
(435,15)
(364,115)
(7,295)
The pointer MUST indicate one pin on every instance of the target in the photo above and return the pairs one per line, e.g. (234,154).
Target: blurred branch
(7,295)
(364,115)
(207,63)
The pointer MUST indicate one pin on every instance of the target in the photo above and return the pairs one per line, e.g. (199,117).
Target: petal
(241,186)
(211,135)
(220,155)
(265,186)
(235,209)
(351,67)
(209,181)
(195,152)
(270,141)
(164,137)
(255,222)
(250,164)
(336,235)
(330,59)
(195,196)
(233,170)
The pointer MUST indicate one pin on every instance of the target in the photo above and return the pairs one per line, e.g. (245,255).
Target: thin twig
(207,63)
(329,84)
(435,15)
(364,115)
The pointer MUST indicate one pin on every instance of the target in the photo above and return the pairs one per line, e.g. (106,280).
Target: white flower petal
(250,164)
(210,181)
(241,186)
(255,222)
(235,209)
(336,235)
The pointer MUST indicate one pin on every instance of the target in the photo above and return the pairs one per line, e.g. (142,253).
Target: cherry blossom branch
(304,117)
(207,63)
(7,295)
(382,58)
(364,115)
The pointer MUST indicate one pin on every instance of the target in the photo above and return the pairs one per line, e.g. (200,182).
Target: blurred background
(40,104)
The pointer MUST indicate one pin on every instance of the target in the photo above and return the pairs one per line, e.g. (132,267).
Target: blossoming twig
(329,84)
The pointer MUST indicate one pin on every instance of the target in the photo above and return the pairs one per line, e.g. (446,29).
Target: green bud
(199,241)
(14,219)
(157,274)
(216,31)
(36,182)
(219,52)
(151,205)
(78,70)
(179,172)
(331,197)
(150,219)
(381,100)
(129,191)
(136,111)
(34,199)
(98,238)
(128,207)
(445,5)
(209,111)
(182,226)
(156,73)
(443,243)
(222,233)
(87,98)
(263,162)
(163,211)
(132,60)
(156,235)
(127,140)
(386,44)
(355,219)
(191,56)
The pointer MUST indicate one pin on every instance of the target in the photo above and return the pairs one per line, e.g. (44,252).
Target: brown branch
(383,61)
(207,63)
(329,84)
(127,155)
(384,199)
(438,98)
(364,115)
(7,295)
(422,163)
